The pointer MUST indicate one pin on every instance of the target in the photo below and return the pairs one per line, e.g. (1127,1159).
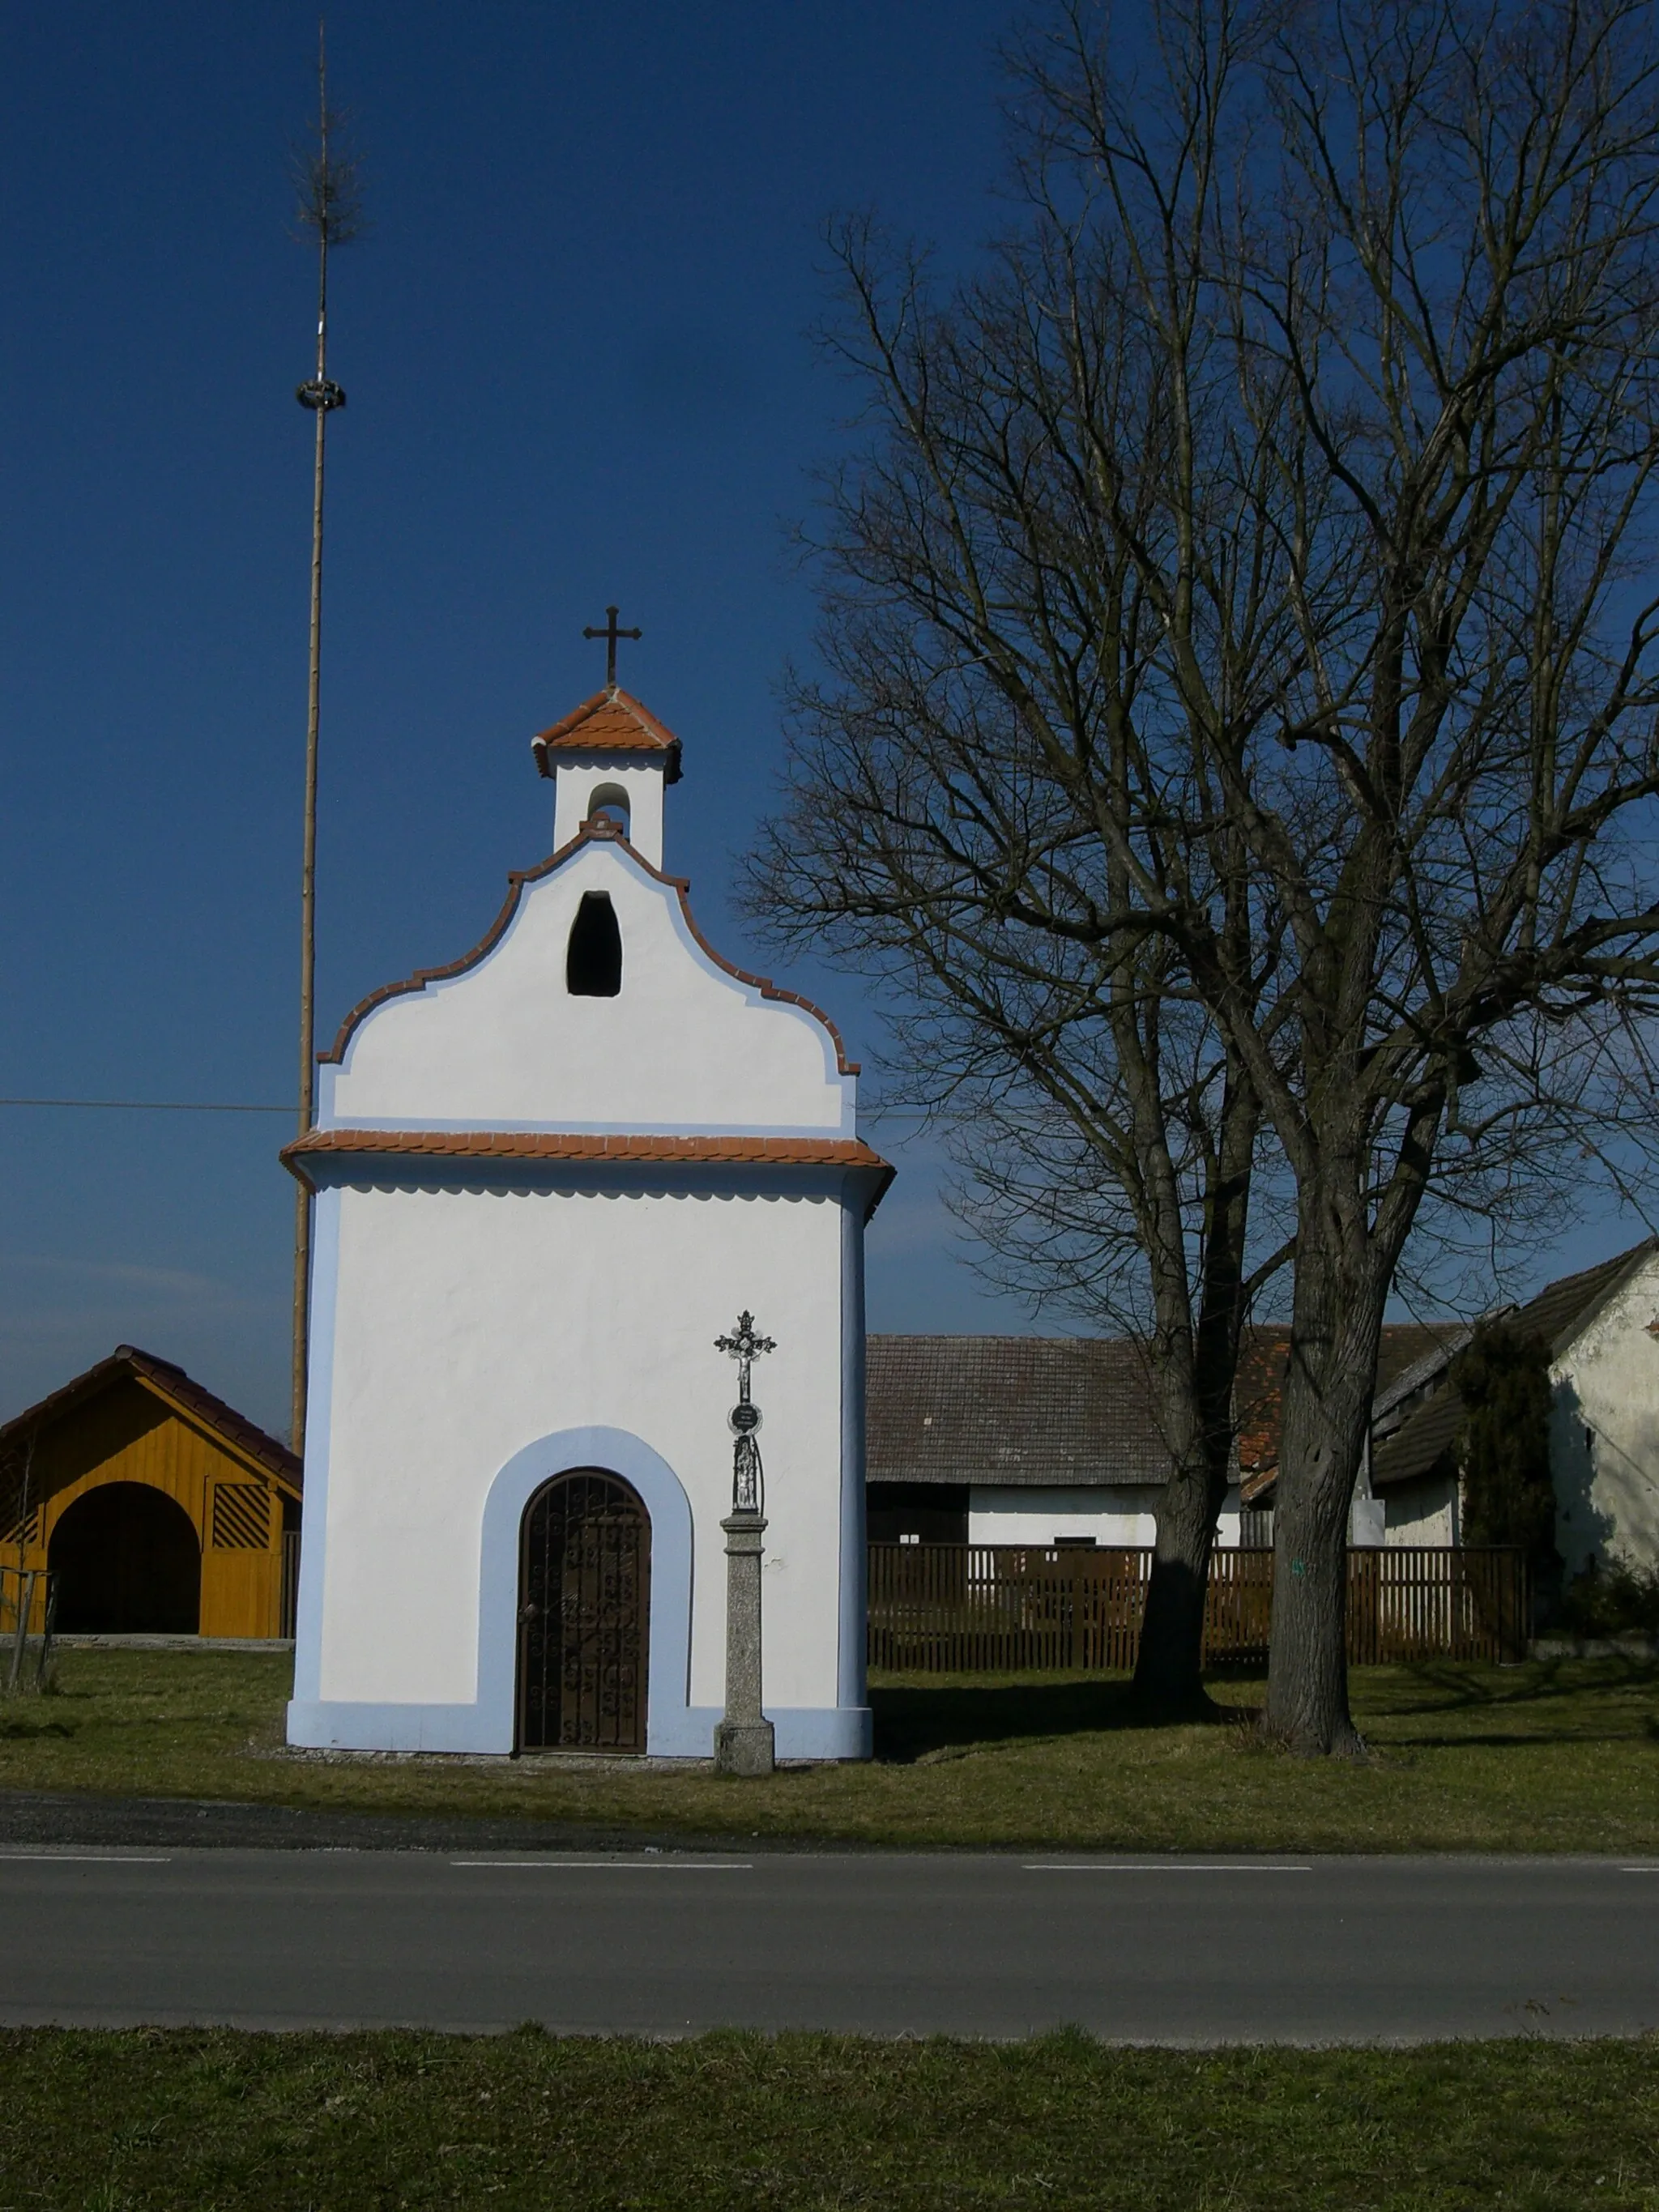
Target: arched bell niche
(610,801)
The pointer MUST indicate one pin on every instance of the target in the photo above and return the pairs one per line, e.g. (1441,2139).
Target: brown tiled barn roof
(192,1398)
(1010,1409)
(1032,1410)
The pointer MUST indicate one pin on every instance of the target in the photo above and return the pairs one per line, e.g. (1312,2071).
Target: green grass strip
(214,2121)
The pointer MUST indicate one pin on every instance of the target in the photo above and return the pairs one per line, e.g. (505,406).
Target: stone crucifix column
(743,1741)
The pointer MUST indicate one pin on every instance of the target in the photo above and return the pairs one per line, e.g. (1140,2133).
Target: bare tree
(1238,599)
(958,781)
(1431,265)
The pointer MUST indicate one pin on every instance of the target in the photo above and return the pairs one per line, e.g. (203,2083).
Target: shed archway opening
(584,1615)
(129,1563)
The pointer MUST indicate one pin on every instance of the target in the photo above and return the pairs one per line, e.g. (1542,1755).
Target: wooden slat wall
(980,1608)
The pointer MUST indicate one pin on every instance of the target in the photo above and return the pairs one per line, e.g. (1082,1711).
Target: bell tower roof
(611,721)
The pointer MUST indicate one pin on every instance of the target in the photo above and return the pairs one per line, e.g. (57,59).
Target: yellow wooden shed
(158,1508)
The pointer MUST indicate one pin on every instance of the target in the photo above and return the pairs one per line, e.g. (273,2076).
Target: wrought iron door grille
(584,1609)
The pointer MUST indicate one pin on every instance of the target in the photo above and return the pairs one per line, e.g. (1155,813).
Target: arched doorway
(128,1562)
(584,1615)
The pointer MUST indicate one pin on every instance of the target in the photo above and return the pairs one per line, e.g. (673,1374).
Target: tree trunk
(1335,1329)
(1170,1664)
(1196,1378)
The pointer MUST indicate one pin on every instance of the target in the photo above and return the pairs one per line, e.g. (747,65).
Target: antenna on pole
(329,210)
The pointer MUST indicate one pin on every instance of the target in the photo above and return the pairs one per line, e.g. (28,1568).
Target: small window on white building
(593,959)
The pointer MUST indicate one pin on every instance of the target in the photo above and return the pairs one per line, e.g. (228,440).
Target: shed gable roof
(240,1437)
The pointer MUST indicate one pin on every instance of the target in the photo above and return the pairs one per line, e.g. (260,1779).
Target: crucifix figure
(745,1348)
(610,633)
(743,1741)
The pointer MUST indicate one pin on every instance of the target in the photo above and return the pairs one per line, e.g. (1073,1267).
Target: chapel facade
(547,1178)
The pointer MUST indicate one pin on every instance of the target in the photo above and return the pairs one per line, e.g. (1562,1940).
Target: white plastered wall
(1122,1515)
(1421,1512)
(471,1322)
(1604,1433)
(684,1046)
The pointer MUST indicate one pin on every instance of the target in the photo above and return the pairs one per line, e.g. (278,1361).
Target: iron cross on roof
(610,633)
(745,1346)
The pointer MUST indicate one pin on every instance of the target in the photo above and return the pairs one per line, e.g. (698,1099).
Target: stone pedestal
(743,1741)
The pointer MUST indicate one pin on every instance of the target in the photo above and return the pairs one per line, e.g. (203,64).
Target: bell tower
(611,756)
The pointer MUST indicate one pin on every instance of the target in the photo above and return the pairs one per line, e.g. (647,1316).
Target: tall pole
(326,209)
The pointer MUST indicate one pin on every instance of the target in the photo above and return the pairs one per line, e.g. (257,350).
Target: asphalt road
(1169,1950)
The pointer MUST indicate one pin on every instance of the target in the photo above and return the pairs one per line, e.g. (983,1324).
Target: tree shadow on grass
(1534,1740)
(1448,1686)
(912,1719)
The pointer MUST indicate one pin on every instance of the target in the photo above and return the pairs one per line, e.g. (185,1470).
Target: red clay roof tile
(609,722)
(599,1149)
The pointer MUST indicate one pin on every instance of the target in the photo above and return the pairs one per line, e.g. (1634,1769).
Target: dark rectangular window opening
(916,1513)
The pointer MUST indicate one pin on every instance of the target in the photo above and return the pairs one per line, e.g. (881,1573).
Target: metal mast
(328,207)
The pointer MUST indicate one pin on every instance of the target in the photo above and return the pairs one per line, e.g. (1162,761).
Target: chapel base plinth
(744,1740)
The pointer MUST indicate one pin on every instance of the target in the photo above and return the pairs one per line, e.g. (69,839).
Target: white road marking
(615,1866)
(82,1858)
(1091,1866)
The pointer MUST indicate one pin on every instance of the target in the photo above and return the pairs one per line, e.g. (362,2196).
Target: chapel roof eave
(592,1149)
(592,832)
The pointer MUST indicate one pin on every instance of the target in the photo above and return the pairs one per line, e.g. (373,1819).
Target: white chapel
(548,1177)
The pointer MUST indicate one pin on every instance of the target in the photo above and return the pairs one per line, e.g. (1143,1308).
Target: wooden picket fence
(984,1608)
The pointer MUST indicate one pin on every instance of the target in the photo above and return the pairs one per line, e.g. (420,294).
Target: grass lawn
(1554,1756)
(212,2120)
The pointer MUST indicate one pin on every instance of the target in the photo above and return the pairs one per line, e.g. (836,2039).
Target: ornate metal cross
(748,1490)
(745,1346)
(610,633)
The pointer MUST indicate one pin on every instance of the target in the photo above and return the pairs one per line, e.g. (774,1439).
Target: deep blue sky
(577,349)
(577,355)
